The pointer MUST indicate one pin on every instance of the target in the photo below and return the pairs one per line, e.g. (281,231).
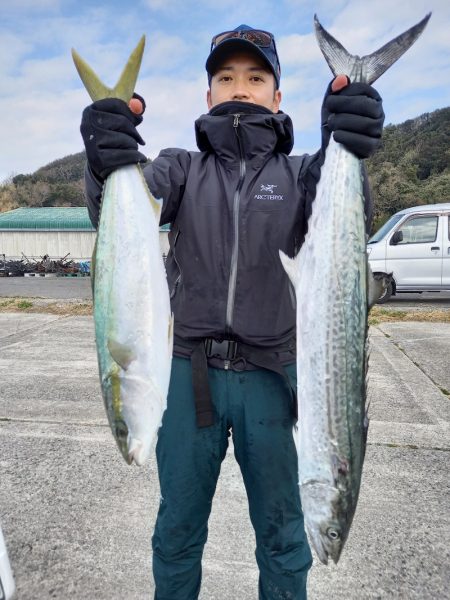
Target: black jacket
(232,206)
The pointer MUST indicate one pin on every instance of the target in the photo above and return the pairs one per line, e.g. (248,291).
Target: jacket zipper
(235,251)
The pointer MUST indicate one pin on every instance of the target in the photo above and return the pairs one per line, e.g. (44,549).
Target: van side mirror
(397,238)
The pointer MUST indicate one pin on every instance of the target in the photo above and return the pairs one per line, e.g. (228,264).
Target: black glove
(355,116)
(108,128)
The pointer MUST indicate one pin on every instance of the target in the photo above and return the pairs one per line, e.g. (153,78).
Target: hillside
(413,165)
(60,183)
(411,168)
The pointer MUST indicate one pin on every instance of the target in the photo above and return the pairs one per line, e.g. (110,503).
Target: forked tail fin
(124,88)
(368,68)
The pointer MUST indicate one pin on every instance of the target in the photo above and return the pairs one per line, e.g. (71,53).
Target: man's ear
(208,99)
(276,101)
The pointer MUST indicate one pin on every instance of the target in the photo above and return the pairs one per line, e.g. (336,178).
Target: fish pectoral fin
(123,89)
(170,334)
(121,353)
(290,266)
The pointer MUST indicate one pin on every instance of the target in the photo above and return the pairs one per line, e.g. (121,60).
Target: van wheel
(387,294)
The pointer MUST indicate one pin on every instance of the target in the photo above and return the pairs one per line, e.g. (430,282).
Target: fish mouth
(317,544)
(335,553)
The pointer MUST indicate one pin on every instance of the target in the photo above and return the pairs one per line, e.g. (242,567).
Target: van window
(379,235)
(419,230)
(449,227)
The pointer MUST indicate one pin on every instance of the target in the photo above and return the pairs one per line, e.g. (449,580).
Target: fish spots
(341,467)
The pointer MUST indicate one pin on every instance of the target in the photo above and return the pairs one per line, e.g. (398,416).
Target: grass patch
(379,315)
(39,305)
(6,303)
(24,304)
(73,309)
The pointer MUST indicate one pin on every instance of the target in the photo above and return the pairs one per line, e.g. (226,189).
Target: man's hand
(353,112)
(108,128)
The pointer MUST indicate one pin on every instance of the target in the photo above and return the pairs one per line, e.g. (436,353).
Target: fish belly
(331,323)
(132,308)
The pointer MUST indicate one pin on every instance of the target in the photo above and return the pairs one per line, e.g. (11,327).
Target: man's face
(246,78)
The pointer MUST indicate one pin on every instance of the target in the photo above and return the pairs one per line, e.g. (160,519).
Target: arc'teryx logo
(270,195)
(268,188)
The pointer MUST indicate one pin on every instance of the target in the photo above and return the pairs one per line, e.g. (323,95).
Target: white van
(413,245)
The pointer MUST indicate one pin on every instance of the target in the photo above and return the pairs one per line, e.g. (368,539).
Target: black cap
(241,42)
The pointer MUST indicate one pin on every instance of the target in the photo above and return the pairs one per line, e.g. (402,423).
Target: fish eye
(333,534)
(121,430)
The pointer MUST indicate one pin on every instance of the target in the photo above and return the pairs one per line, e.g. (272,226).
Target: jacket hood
(261,132)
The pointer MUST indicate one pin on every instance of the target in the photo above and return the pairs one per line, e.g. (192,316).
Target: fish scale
(334,291)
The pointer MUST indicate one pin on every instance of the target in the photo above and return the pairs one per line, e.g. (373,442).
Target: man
(232,206)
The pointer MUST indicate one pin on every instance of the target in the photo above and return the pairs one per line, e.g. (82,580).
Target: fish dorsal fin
(124,88)
(368,68)
(123,355)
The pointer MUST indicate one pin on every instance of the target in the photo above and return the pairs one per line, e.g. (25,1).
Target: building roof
(68,218)
(48,219)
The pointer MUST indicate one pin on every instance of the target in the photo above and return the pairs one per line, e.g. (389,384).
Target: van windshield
(379,235)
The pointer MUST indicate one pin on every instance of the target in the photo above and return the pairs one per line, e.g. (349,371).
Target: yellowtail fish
(133,321)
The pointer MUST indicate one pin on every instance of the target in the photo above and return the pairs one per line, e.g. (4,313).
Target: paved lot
(43,287)
(78,520)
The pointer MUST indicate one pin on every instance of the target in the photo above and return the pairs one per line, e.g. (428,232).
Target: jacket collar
(261,132)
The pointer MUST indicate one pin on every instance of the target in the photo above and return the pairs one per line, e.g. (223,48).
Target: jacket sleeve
(93,187)
(165,176)
(309,178)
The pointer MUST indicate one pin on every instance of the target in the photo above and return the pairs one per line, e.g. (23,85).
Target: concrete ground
(78,521)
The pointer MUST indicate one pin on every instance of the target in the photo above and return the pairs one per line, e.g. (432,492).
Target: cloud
(297,50)
(12,51)
(41,97)
(172,109)
(166,51)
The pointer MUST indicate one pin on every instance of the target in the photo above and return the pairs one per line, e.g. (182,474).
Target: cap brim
(228,47)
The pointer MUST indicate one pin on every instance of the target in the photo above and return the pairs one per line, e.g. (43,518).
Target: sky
(42,97)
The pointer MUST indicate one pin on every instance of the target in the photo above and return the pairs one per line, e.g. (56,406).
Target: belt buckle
(214,348)
(225,349)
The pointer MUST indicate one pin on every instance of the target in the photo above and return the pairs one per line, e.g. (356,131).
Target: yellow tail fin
(124,88)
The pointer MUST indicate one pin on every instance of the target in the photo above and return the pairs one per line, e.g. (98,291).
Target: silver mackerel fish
(133,321)
(333,287)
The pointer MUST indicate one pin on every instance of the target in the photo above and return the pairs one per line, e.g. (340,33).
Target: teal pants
(256,407)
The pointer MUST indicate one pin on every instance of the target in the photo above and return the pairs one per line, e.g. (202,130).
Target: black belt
(229,354)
